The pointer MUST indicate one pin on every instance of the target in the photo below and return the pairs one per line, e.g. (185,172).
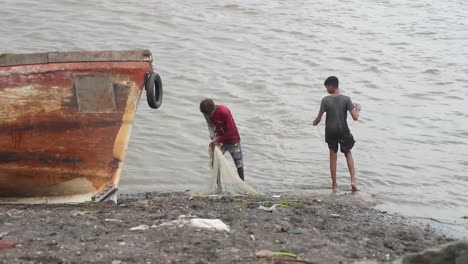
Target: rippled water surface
(406,62)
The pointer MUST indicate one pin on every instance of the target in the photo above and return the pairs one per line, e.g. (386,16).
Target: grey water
(405,62)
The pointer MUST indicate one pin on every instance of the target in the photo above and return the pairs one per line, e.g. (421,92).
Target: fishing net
(224,179)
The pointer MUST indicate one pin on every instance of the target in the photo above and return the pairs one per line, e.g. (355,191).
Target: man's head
(331,83)
(207,107)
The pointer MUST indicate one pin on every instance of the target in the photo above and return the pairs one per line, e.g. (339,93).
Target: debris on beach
(113,220)
(3,234)
(215,224)
(140,227)
(200,223)
(268,253)
(179,222)
(271,209)
(6,244)
(279,257)
(75,213)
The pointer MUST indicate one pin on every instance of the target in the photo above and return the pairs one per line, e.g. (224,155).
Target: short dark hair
(333,81)
(207,106)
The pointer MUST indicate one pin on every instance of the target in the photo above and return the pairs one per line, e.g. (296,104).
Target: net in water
(224,179)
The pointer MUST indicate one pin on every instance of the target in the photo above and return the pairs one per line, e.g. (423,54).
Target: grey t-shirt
(336,108)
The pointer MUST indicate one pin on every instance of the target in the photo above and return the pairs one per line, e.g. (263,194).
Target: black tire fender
(154,90)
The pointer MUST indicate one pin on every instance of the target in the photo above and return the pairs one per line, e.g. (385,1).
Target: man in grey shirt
(337,131)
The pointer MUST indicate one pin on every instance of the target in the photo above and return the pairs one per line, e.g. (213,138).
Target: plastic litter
(140,227)
(77,213)
(271,209)
(265,253)
(215,224)
(113,220)
(174,223)
(201,223)
(179,222)
(3,234)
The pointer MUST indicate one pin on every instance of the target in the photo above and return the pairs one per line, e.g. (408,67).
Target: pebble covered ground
(154,228)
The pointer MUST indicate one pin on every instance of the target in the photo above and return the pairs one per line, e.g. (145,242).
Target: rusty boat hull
(65,122)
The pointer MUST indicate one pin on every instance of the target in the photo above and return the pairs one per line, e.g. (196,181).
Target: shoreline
(318,228)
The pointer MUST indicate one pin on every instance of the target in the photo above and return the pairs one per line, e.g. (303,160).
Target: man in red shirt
(223,130)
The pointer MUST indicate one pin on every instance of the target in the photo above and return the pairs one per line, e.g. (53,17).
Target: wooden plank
(10,59)
(92,56)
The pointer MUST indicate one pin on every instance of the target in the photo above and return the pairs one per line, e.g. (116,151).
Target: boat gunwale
(14,59)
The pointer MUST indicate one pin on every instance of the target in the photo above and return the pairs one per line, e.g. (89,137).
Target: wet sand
(317,228)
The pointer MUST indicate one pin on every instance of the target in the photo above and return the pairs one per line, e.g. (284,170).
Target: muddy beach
(314,228)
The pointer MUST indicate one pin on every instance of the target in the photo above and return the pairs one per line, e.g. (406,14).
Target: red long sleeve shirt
(225,127)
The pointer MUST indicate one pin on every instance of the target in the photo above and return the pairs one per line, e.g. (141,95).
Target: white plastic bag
(215,224)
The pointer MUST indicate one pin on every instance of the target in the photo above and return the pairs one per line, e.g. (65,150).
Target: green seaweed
(238,208)
(288,203)
(90,203)
(266,203)
(283,203)
(285,254)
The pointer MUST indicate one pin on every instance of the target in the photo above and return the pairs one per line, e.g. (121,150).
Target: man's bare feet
(354,188)
(335,188)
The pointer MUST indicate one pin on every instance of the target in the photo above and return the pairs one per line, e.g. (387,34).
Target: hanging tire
(154,90)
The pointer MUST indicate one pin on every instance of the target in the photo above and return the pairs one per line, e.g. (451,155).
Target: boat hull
(64,128)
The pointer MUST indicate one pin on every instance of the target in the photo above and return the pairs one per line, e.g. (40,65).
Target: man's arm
(224,137)
(318,119)
(211,127)
(228,132)
(355,112)
(323,109)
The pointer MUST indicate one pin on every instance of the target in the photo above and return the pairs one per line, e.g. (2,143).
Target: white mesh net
(224,179)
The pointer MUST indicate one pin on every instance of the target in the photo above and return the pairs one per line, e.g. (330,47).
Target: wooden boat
(65,121)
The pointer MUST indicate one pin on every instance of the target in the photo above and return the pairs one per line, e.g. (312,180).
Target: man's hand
(214,143)
(317,119)
(357,107)
(355,112)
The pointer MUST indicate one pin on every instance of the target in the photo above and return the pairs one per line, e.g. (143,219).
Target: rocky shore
(156,228)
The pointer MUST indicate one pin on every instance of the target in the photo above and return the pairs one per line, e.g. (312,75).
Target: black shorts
(344,138)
